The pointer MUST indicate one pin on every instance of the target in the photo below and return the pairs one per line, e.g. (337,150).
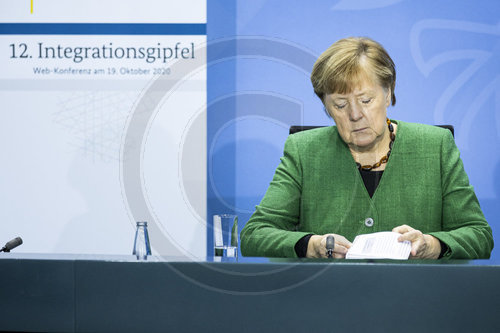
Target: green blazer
(318,189)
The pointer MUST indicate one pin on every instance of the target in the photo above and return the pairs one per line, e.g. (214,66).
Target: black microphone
(12,244)
(330,244)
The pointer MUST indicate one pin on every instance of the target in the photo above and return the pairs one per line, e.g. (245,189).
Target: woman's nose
(355,112)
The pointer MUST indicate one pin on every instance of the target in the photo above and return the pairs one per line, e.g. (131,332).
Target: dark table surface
(92,293)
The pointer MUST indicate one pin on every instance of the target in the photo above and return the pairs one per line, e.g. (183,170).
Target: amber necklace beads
(385,158)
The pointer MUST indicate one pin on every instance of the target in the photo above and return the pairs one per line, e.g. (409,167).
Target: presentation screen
(103,124)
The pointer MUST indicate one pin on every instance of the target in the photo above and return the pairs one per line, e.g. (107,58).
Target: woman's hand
(423,246)
(316,248)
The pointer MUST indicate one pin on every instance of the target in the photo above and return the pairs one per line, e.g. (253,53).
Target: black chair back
(296,128)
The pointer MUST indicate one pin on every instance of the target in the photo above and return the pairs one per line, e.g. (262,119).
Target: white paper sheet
(379,245)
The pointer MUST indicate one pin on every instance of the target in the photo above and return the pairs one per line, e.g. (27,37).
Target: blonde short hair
(343,64)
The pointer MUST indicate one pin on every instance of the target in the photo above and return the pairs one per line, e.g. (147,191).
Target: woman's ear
(388,98)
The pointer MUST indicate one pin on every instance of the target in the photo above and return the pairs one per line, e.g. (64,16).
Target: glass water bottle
(142,248)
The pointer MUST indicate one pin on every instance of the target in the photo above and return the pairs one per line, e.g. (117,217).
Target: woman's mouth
(360,129)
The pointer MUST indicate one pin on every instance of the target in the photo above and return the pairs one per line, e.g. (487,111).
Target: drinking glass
(225,237)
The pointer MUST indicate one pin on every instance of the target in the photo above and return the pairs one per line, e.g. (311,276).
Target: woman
(367,173)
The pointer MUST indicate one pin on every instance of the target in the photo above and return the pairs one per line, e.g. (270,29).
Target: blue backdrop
(260,56)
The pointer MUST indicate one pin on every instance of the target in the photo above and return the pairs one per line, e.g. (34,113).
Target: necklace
(385,158)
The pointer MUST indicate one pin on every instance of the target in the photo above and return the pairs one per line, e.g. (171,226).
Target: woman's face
(361,114)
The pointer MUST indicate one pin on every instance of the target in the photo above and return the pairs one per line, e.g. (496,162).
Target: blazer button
(369,222)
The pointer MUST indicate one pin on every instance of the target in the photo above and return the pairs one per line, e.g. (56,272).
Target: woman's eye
(340,106)
(366,101)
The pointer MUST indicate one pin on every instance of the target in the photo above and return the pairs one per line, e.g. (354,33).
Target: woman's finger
(411,236)
(339,256)
(340,249)
(416,245)
(402,229)
(343,241)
